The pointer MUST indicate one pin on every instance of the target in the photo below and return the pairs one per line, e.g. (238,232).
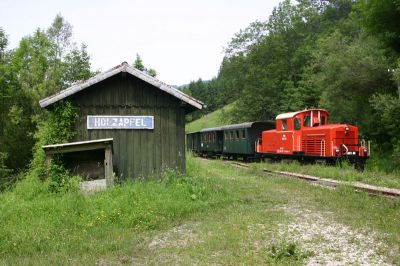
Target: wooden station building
(124,112)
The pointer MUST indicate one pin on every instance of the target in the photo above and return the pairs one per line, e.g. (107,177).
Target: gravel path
(332,243)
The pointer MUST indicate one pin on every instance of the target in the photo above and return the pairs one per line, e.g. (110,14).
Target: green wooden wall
(137,153)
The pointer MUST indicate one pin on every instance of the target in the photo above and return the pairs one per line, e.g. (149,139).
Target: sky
(182,40)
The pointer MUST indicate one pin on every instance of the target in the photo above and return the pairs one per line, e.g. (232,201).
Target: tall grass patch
(36,221)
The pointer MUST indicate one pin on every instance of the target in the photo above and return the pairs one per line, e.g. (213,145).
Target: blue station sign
(119,122)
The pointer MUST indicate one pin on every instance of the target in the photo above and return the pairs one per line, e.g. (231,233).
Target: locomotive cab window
(307,121)
(297,123)
(284,124)
(323,122)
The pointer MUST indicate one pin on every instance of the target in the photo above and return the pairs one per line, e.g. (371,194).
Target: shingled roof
(124,67)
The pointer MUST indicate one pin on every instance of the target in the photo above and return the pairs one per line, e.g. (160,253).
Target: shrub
(4,172)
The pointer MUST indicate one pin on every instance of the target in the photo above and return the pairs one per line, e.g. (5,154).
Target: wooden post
(108,166)
(47,162)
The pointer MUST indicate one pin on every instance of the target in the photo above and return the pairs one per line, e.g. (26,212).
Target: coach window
(284,124)
(243,134)
(297,123)
(237,134)
(307,121)
(231,133)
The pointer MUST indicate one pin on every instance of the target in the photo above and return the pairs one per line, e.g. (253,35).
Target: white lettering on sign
(119,122)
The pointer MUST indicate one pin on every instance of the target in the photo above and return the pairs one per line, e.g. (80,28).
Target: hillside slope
(216,118)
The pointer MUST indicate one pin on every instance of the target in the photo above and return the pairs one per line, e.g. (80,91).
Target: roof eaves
(170,90)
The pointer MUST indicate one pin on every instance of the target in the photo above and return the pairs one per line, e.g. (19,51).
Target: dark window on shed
(284,124)
(243,134)
(307,121)
(297,123)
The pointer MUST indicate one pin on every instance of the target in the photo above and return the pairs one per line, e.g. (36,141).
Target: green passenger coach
(236,141)
(240,139)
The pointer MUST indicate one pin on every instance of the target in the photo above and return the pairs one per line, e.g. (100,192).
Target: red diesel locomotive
(307,136)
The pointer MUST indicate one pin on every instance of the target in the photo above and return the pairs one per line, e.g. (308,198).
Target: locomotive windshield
(307,121)
(297,123)
(284,124)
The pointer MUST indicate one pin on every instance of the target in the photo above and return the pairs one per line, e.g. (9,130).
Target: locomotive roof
(124,67)
(292,114)
(235,126)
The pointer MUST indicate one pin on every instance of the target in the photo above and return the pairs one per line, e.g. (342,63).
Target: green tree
(381,18)
(349,71)
(152,72)
(60,33)
(76,66)
(138,64)
(3,44)
(43,63)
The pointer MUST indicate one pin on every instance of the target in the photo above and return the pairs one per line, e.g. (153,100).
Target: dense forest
(44,62)
(341,55)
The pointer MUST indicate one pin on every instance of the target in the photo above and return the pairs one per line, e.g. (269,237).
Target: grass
(216,118)
(344,173)
(217,214)
(45,227)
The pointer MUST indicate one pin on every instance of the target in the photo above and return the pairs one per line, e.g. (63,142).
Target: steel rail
(357,186)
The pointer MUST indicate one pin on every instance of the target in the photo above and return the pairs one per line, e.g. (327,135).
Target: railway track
(357,186)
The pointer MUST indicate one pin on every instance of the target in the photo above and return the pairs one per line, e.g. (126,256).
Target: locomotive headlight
(346,129)
(365,149)
(337,151)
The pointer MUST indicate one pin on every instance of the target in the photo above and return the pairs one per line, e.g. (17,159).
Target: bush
(4,173)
